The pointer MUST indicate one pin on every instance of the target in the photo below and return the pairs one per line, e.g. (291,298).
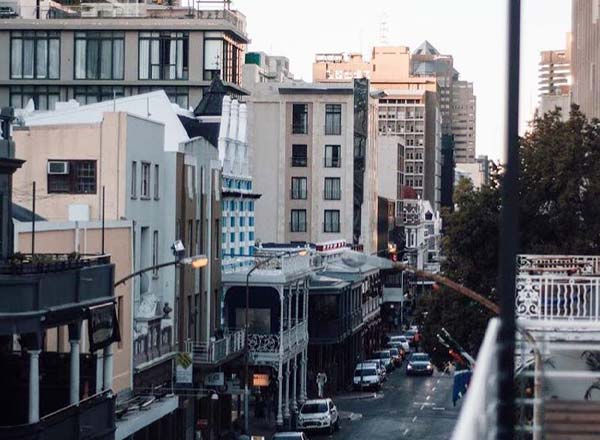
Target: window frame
(333,112)
(296,162)
(300,226)
(145,195)
(113,37)
(35,36)
(72,178)
(329,227)
(22,91)
(329,190)
(296,193)
(331,163)
(161,37)
(156,184)
(133,180)
(300,128)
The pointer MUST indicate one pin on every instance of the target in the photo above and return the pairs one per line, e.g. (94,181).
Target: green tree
(559,189)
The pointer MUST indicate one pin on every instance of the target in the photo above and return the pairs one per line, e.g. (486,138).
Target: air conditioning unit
(58,167)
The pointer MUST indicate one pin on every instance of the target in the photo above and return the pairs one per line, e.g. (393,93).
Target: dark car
(419,363)
(7,12)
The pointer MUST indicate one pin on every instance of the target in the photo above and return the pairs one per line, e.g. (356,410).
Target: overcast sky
(473,31)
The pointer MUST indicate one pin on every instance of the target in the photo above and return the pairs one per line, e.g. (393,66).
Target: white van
(366,376)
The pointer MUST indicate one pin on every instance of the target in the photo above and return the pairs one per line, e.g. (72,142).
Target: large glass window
(332,220)
(299,155)
(92,94)
(300,118)
(333,119)
(299,188)
(333,158)
(72,177)
(44,98)
(163,55)
(222,57)
(298,220)
(177,95)
(34,55)
(332,188)
(99,55)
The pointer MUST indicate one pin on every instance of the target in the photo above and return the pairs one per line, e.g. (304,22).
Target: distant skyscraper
(463,121)
(555,80)
(585,56)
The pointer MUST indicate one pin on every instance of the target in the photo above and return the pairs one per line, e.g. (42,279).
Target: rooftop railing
(218,350)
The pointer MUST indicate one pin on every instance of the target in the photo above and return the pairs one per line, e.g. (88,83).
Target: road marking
(406,432)
(438,381)
(427,398)
(433,389)
(414,418)
(438,408)
(422,406)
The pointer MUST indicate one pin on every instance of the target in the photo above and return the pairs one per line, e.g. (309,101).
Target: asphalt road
(406,408)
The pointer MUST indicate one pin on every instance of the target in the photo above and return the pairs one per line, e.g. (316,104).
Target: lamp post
(259,264)
(197,262)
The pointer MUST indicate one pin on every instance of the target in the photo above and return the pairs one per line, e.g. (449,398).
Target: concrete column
(99,371)
(303,395)
(280,396)
(74,372)
(294,383)
(286,410)
(108,367)
(34,386)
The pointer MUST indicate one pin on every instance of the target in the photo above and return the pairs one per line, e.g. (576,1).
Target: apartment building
(314,162)
(261,67)
(91,59)
(555,80)
(585,58)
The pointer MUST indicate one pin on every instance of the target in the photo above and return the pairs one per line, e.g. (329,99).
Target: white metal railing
(585,265)
(216,350)
(287,264)
(554,297)
(477,419)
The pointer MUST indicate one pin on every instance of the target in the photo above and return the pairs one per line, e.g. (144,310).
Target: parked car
(289,436)
(7,12)
(396,356)
(400,340)
(380,368)
(386,356)
(319,414)
(419,363)
(410,336)
(366,375)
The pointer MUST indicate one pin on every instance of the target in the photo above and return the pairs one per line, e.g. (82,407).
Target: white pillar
(294,381)
(290,293)
(280,396)
(280,369)
(303,395)
(224,129)
(99,371)
(108,367)
(34,386)
(286,411)
(74,372)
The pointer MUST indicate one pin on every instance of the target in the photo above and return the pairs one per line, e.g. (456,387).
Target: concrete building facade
(555,80)
(314,162)
(99,59)
(463,121)
(585,58)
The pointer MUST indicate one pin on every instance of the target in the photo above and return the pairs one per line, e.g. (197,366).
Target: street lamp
(300,252)
(196,261)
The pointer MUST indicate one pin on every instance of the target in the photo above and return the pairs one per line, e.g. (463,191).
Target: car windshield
(365,372)
(410,333)
(374,361)
(420,358)
(399,339)
(313,408)
(394,351)
(382,354)
(287,437)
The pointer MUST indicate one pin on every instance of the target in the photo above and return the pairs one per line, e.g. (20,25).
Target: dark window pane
(300,118)
(299,155)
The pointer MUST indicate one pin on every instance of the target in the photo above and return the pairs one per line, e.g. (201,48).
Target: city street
(407,407)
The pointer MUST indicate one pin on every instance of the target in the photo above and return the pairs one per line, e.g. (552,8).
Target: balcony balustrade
(153,345)
(266,348)
(218,350)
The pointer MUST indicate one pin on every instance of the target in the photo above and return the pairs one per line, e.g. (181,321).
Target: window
(299,188)
(44,98)
(298,220)
(177,95)
(163,55)
(222,57)
(299,155)
(34,55)
(300,118)
(250,206)
(232,237)
(332,188)
(251,236)
(145,189)
(333,157)
(333,119)
(79,177)
(332,220)
(250,221)
(156,182)
(232,222)
(92,94)
(155,253)
(242,237)
(133,179)
(99,55)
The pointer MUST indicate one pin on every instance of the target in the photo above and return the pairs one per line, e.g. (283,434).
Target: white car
(402,341)
(380,367)
(319,414)
(366,375)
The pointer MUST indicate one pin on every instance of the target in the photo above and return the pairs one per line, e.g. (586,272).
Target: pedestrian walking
(321,381)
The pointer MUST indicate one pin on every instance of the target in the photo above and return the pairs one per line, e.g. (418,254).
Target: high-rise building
(314,162)
(99,59)
(555,80)
(463,121)
(585,57)
(260,67)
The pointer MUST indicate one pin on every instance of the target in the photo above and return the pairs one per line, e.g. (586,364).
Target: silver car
(319,414)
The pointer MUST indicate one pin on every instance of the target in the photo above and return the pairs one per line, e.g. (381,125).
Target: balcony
(93,417)
(154,345)
(217,351)
(48,284)
(279,267)
(266,349)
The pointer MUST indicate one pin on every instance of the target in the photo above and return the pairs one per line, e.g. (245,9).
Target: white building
(423,231)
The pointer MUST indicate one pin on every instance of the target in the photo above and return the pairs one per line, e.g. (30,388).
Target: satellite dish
(354,259)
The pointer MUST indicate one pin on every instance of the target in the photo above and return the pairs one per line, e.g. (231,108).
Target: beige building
(86,238)
(98,59)
(555,80)
(314,162)
(585,56)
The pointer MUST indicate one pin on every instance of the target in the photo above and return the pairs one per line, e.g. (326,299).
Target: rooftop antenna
(383,30)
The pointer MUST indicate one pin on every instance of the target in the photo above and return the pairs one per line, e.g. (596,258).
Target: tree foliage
(559,194)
